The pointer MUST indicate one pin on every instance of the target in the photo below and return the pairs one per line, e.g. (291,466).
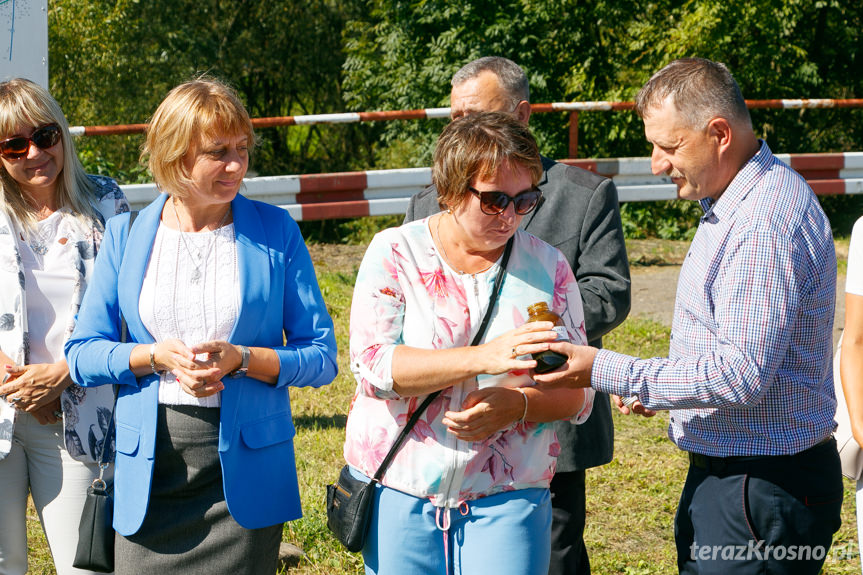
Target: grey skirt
(188,528)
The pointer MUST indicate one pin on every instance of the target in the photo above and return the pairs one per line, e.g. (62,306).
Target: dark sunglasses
(494,202)
(43,138)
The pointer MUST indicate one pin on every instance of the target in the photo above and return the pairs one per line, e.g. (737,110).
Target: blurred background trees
(112,61)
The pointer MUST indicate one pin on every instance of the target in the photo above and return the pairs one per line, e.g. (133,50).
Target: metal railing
(574,108)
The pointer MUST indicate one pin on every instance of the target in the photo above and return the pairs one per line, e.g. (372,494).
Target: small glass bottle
(548,360)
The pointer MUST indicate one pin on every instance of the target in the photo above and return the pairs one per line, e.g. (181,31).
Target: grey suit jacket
(580,216)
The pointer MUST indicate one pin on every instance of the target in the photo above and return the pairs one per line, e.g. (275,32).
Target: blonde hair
(477,146)
(204,107)
(25,103)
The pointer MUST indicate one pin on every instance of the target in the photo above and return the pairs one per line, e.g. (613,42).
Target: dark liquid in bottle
(547,360)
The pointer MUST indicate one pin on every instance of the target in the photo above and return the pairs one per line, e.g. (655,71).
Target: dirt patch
(336,257)
(653,252)
(655,287)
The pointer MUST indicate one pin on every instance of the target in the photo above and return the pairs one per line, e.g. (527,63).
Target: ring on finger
(514,354)
(14,399)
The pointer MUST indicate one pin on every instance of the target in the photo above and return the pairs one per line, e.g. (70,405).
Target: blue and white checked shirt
(749,370)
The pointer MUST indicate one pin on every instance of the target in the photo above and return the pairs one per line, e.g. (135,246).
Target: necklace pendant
(39,248)
(196,275)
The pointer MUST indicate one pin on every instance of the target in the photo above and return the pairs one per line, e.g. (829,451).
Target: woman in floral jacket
(468,492)
(51,220)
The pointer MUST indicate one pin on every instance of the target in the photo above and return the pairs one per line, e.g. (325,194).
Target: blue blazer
(281,308)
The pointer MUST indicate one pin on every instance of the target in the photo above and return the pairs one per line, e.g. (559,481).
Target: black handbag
(95,534)
(349,500)
(95,551)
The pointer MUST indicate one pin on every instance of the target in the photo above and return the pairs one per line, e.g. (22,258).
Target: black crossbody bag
(349,499)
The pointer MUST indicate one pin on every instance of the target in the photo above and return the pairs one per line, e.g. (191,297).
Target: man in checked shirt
(749,378)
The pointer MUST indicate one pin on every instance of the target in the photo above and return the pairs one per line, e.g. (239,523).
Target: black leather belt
(712,463)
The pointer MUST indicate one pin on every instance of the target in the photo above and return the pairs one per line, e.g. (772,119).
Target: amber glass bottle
(548,360)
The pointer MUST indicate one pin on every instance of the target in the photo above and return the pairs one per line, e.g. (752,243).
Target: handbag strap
(403,435)
(124,336)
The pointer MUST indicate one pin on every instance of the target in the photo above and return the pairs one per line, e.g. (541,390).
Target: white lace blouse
(191,292)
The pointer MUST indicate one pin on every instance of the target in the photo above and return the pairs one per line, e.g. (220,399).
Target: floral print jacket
(405,293)
(85,412)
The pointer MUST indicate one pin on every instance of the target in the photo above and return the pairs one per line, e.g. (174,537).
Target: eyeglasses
(43,138)
(494,202)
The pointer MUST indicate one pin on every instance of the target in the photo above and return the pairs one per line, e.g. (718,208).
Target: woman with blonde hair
(52,216)
(224,314)
(851,355)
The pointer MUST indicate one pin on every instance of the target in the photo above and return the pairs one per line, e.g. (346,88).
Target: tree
(113,62)
(402,55)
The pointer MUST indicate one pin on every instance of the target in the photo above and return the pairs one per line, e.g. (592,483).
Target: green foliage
(670,220)
(842,211)
(112,61)
(355,231)
(402,55)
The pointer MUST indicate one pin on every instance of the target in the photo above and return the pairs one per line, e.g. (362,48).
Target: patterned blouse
(86,413)
(405,293)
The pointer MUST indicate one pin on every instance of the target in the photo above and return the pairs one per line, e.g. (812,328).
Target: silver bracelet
(524,395)
(153,358)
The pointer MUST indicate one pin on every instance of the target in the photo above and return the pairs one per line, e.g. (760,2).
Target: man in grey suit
(579,215)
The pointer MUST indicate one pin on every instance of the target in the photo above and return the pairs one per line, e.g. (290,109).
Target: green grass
(630,502)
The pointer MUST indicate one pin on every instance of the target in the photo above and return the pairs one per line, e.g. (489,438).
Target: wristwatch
(244,365)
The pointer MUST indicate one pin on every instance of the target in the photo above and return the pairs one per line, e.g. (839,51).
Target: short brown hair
(476,146)
(191,111)
(700,90)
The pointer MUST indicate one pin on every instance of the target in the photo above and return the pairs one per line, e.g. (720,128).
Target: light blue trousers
(505,534)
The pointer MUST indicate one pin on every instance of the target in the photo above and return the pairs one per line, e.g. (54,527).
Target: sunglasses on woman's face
(43,138)
(494,202)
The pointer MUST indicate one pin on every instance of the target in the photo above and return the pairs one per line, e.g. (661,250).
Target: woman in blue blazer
(224,314)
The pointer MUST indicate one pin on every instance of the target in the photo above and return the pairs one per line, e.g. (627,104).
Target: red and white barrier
(381,192)
(438,113)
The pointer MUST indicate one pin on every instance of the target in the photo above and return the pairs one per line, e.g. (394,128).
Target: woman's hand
(211,361)
(221,354)
(199,369)
(485,412)
(49,413)
(32,387)
(195,374)
(501,354)
(418,371)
